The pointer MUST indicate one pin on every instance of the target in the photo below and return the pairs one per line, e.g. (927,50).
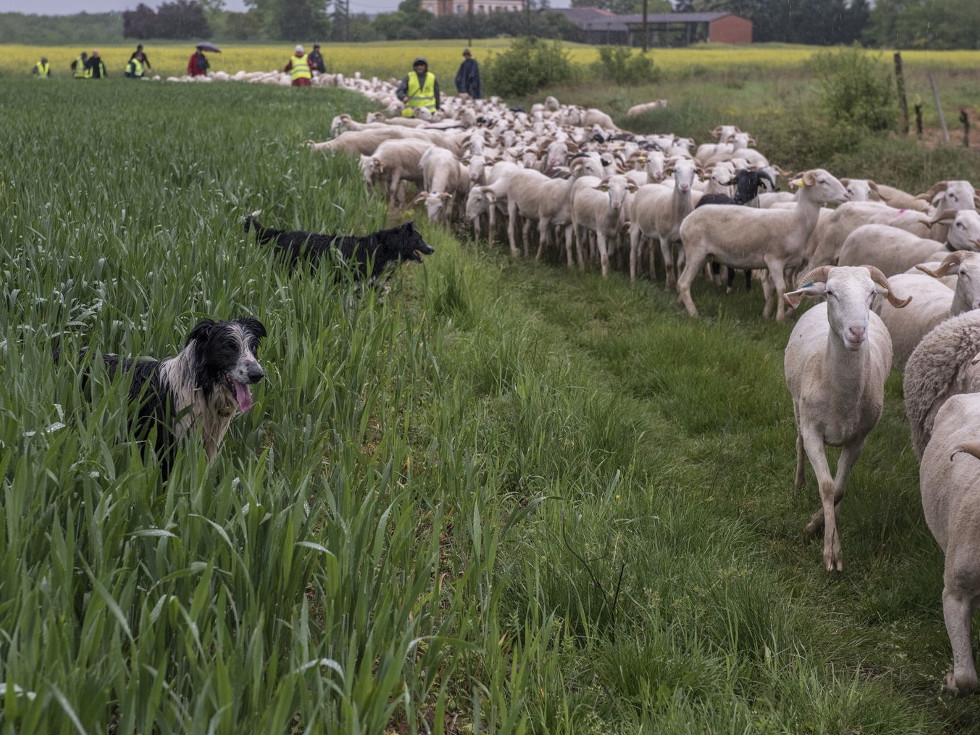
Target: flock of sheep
(898,274)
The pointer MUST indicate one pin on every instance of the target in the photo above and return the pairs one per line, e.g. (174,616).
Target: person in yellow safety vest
(79,67)
(134,69)
(418,90)
(42,69)
(96,66)
(299,68)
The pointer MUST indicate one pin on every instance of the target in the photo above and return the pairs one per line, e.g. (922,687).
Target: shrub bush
(855,90)
(619,65)
(526,67)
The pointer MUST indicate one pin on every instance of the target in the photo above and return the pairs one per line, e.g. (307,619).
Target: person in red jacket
(198,64)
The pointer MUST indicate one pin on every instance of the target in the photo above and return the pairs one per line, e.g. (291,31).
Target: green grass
(511,498)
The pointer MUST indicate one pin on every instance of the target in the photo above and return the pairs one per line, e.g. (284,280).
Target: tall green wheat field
(505,498)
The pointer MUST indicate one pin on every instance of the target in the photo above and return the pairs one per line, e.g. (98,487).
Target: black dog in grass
(201,388)
(370,257)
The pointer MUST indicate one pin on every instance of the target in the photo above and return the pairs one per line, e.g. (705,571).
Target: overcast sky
(73,7)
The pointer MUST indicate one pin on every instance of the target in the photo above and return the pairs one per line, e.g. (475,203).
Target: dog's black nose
(255,373)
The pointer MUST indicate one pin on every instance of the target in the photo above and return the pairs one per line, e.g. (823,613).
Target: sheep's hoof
(833,559)
(815,525)
(963,688)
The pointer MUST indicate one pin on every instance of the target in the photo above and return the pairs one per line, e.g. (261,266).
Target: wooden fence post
(965,119)
(902,102)
(939,108)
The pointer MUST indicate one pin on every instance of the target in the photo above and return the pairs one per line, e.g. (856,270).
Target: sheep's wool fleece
(936,365)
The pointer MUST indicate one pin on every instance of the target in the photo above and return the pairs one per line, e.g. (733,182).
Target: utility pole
(469,15)
(645,43)
(341,15)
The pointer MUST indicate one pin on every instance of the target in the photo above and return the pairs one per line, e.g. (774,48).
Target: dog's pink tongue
(244,396)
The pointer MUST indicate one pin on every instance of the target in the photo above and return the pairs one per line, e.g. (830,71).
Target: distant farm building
(662,29)
(478,7)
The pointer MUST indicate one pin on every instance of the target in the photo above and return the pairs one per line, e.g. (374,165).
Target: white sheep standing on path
(745,237)
(837,359)
(934,302)
(940,366)
(949,480)
(658,211)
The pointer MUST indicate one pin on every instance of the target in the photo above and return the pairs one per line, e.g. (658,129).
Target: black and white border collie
(201,388)
(370,257)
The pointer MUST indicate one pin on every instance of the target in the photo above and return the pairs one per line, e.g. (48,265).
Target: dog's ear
(253,325)
(201,331)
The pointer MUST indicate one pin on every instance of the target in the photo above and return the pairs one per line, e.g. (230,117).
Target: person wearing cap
(316,60)
(42,69)
(299,68)
(419,89)
(79,67)
(96,66)
(468,77)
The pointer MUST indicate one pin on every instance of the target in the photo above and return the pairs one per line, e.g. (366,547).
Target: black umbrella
(206,46)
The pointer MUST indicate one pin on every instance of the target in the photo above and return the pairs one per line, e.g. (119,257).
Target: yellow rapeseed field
(388,59)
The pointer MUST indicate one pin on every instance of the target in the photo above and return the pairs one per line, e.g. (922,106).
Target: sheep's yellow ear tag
(796,183)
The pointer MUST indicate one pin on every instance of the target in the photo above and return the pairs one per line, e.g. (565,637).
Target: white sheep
(725,133)
(949,482)
(930,306)
(933,302)
(487,199)
(365,141)
(836,362)
(443,179)
(658,211)
(393,163)
(894,250)
(954,194)
(767,199)
(596,117)
(724,150)
(645,107)
(599,208)
(834,226)
(746,237)
(866,190)
(362,142)
(536,198)
(943,364)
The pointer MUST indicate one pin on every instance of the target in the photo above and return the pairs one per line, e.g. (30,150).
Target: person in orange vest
(299,68)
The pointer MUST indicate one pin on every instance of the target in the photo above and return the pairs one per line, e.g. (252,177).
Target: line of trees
(903,24)
(181,19)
